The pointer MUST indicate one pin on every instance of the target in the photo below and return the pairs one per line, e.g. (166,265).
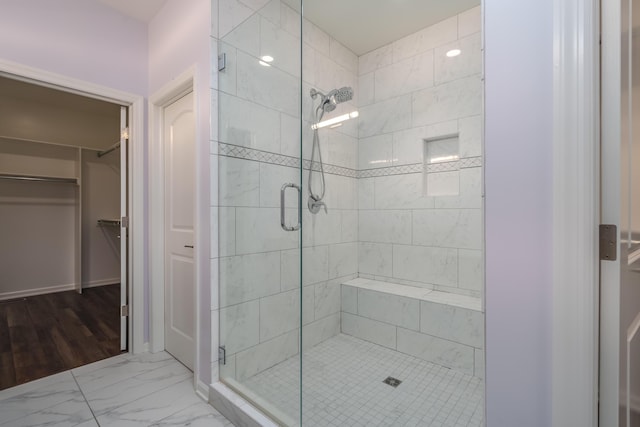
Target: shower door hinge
(222,355)
(222,61)
(124,311)
(608,242)
(124,222)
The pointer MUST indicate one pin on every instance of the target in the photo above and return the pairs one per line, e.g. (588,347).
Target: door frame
(576,211)
(173,90)
(136,274)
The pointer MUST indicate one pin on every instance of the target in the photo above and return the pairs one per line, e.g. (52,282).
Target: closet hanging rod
(110,149)
(38,178)
(56,144)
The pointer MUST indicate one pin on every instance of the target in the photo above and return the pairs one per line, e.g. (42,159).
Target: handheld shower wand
(328,103)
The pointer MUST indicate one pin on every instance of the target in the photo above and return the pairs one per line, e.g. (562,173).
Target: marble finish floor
(126,390)
(343,386)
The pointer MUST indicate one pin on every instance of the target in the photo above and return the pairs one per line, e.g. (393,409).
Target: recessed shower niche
(350,211)
(441,166)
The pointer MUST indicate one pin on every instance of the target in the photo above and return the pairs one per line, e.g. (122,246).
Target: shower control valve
(315,205)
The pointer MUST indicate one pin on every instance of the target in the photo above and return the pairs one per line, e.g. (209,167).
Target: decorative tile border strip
(230,150)
(469,162)
(239,152)
(390,170)
(332,169)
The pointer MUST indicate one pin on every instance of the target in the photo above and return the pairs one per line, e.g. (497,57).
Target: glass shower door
(259,170)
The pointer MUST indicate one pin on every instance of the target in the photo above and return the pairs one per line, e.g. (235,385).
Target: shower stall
(350,210)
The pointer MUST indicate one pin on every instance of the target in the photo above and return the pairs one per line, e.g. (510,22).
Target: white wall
(38,228)
(31,118)
(100,200)
(39,222)
(518,137)
(81,39)
(178,40)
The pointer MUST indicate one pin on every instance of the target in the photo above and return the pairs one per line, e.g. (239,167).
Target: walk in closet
(61,239)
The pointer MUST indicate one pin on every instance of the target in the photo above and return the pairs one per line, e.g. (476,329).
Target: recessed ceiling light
(267,58)
(454,52)
(264,64)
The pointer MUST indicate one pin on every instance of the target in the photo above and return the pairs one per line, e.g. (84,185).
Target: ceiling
(142,10)
(365,25)
(361,25)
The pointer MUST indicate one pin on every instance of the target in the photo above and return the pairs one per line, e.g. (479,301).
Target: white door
(179,151)
(620,206)
(124,226)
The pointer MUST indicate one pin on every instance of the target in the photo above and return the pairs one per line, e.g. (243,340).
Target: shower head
(343,94)
(333,98)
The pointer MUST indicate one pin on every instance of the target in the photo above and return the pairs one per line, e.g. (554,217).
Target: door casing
(576,209)
(175,89)
(136,274)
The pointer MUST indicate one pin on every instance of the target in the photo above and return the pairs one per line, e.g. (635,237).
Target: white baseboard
(57,288)
(101,282)
(202,390)
(37,291)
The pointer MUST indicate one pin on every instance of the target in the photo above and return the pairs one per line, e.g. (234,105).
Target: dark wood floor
(46,334)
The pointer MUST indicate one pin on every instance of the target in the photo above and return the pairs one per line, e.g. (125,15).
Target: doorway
(63,197)
(620,206)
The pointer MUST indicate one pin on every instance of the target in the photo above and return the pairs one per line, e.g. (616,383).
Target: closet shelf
(20,177)
(109,222)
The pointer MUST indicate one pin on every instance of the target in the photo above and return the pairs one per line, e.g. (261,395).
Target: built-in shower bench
(440,327)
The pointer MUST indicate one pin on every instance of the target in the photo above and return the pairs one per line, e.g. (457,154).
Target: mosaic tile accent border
(470,162)
(391,170)
(332,169)
(230,150)
(239,152)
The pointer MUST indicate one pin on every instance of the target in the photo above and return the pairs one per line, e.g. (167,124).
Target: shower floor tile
(343,386)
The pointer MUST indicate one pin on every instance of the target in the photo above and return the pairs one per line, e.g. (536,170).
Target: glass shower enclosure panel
(350,211)
(259,171)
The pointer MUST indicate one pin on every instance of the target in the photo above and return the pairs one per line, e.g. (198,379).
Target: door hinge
(608,242)
(125,133)
(222,61)
(124,311)
(222,355)
(124,222)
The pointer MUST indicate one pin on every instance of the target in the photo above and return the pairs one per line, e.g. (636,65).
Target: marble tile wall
(411,91)
(258,151)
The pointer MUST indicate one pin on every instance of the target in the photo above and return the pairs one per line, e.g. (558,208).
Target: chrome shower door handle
(282,209)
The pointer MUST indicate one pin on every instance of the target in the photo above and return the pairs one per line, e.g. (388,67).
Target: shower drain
(393,382)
